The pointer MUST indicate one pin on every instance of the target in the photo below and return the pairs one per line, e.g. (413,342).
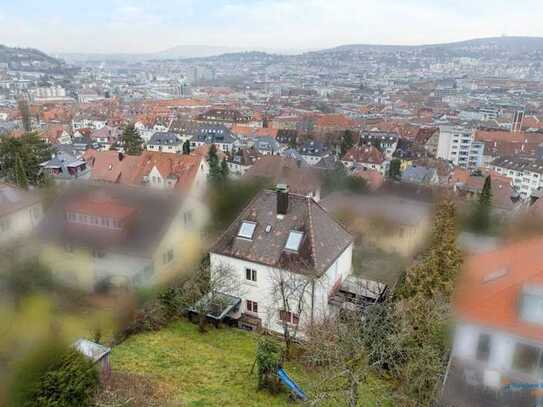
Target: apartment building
(458,145)
(525,174)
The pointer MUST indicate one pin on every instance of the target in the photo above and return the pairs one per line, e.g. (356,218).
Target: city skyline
(274,25)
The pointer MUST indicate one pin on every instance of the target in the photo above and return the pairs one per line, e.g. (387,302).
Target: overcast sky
(155,25)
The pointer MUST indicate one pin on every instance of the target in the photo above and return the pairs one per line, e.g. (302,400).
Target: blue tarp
(291,384)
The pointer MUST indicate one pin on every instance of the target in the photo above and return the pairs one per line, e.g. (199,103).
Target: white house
(283,238)
(81,123)
(209,134)
(165,142)
(498,339)
(313,151)
(20,212)
(366,157)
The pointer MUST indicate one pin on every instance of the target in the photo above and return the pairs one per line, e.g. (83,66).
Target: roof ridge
(311,232)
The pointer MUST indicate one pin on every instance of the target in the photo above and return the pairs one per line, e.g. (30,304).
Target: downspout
(312,301)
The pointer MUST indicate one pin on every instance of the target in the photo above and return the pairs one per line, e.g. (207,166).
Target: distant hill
(178,52)
(506,44)
(28,59)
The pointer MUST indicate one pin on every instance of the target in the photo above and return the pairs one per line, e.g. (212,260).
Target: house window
(250,274)
(167,257)
(289,317)
(252,306)
(294,240)
(483,348)
(246,230)
(525,358)
(532,308)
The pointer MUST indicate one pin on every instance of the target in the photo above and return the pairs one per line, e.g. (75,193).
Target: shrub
(268,359)
(53,375)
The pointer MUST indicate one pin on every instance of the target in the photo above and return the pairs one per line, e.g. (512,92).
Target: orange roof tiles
(364,154)
(255,132)
(490,287)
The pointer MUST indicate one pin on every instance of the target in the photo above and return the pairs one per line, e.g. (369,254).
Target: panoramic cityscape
(271,203)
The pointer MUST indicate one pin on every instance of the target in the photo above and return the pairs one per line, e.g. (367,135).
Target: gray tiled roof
(314,148)
(519,164)
(165,139)
(211,134)
(324,239)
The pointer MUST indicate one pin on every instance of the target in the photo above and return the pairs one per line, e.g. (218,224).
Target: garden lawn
(211,369)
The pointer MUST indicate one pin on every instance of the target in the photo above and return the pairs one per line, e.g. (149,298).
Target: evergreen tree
(434,275)
(423,312)
(215,172)
(395,171)
(186,147)
(347,142)
(26,153)
(20,175)
(131,140)
(225,171)
(481,215)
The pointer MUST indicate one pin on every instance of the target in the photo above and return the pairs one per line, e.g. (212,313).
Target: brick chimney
(282,199)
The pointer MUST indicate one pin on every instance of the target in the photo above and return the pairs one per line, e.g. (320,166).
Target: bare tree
(209,291)
(336,346)
(292,293)
(345,346)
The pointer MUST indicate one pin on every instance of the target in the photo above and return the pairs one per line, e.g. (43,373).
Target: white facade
(261,291)
(312,159)
(525,182)
(166,148)
(88,124)
(458,145)
(224,147)
(20,222)
(382,168)
(156,180)
(497,355)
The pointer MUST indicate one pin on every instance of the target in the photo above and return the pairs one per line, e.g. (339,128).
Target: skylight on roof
(294,240)
(246,230)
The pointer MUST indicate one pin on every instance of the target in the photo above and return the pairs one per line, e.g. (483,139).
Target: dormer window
(294,240)
(531,307)
(247,230)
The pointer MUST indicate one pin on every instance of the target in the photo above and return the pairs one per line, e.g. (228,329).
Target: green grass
(211,369)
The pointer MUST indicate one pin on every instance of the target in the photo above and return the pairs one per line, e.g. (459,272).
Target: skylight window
(246,230)
(294,240)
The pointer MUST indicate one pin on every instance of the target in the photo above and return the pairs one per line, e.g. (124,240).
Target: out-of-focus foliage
(228,199)
(20,159)
(53,375)
(339,180)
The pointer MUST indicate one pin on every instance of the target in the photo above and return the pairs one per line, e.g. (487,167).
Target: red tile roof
(364,154)
(113,167)
(254,132)
(490,287)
